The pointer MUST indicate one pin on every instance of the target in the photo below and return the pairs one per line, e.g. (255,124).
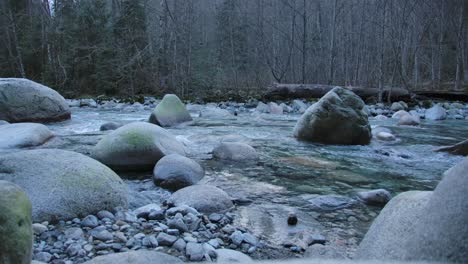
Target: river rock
(231,256)
(331,202)
(194,251)
(436,112)
(460,148)
(63,184)
(275,109)
(235,151)
(136,146)
(394,225)
(337,118)
(204,198)
(3,122)
(170,112)
(375,197)
(136,257)
(23,135)
(215,113)
(174,172)
(396,106)
(409,120)
(16,234)
(262,107)
(441,231)
(109,126)
(23,100)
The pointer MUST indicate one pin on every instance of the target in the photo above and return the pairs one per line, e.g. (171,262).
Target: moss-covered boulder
(136,146)
(63,184)
(23,135)
(337,118)
(170,112)
(16,236)
(23,100)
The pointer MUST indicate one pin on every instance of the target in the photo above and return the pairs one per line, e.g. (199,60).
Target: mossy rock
(62,184)
(169,112)
(16,236)
(136,147)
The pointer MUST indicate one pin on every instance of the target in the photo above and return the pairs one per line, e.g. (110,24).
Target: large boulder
(205,198)
(231,256)
(16,235)
(23,100)
(135,257)
(436,112)
(337,118)
(174,172)
(63,184)
(23,135)
(235,151)
(136,146)
(441,232)
(169,112)
(460,148)
(394,225)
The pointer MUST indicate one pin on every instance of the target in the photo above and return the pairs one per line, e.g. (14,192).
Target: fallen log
(460,148)
(293,91)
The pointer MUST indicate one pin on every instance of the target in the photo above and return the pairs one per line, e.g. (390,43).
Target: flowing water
(290,172)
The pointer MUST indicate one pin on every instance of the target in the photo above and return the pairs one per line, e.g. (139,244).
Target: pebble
(165,239)
(39,228)
(43,256)
(104,235)
(105,214)
(194,251)
(90,221)
(237,237)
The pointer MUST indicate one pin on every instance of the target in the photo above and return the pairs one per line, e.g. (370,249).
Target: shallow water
(291,172)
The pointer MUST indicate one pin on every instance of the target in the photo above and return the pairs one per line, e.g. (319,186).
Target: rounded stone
(235,151)
(23,100)
(205,198)
(337,118)
(16,234)
(136,146)
(231,256)
(63,184)
(169,112)
(23,135)
(135,257)
(174,172)
(109,126)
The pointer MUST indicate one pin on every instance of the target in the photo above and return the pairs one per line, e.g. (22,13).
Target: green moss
(136,138)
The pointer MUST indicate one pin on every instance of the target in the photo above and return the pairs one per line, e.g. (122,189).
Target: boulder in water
(22,135)
(170,112)
(136,146)
(109,126)
(275,109)
(375,197)
(16,235)
(436,112)
(174,172)
(235,151)
(409,120)
(337,118)
(63,184)
(205,198)
(23,100)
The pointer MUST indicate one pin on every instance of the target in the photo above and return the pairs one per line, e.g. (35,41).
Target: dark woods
(232,47)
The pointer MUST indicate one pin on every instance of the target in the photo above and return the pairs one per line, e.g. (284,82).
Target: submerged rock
(23,100)
(337,118)
(23,135)
(174,172)
(16,235)
(375,197)
(170,112)
(331,202)
(63,184)
(109,126)
(135,257)
(136,146)
(235,151)
(205,198)
(460,148)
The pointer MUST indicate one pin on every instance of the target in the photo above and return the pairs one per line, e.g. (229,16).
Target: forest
(235,48)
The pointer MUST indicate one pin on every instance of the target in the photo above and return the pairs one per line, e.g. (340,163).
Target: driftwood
(292,91)
(460,148)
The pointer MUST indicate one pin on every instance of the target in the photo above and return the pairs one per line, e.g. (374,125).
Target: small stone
(156,215)
(317,239)
(194,251)
(180,245)
(39,229)
(214,243)
(43,256)
(105,214)
(73,249)
(104,235)
(173,232)
(215,217)
(120,237)
(139,236)
(237,237)
(228,229)
(165,239)
(177,223)
(75,233)
(90,221)
(88,248)
(150,242)
(292,219)
(250,239)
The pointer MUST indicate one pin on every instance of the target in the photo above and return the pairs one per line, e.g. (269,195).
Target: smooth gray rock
(135,257)
(16,234)
(204,198)
(23,135)
(409,120)
(90,221)
(136,146)
(395,224)
(396,106)
(170,112)
(63,184)
(194,251)
(337,118)
(375,197)
(3,122)
(109,126)
(441,231)
(43,257)
(399,114)
(460,148)
(436,112)
(275,109)
(174,172)
(23,100)
(39,228)
(146,210)
(237,237)
(165,239)
(235,151)
(75,233)
(104,236)
(231,256)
